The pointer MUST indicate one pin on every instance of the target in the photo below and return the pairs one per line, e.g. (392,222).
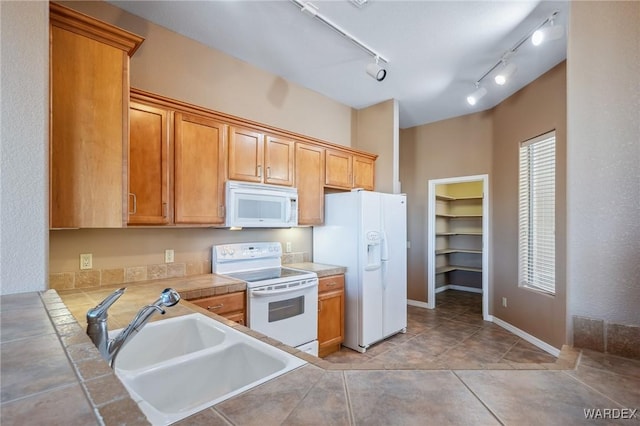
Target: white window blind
(537,205)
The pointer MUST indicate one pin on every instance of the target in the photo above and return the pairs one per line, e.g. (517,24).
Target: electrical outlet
(86,261)
(504,302)
(168,256)
(287,247)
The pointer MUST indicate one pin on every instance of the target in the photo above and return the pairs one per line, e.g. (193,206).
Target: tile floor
(451,336)
(602,386)
(475,373)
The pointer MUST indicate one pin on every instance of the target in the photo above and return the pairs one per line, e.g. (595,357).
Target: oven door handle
(262,293)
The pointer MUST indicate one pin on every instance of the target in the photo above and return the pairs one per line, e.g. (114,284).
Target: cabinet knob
(259,168)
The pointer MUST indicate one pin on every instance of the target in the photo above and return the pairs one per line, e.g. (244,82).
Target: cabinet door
(89,104)
(338,169)
(246,152)
(310,183)
(148,165)
(278,160)
(200,154)
(363,177)
(330,314)
(231,306)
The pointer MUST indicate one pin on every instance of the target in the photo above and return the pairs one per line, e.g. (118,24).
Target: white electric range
(282,302)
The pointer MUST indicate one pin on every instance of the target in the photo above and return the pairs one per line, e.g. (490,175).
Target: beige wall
(377,132)
(175,66)
(456,147)
(603,171)
(117,248)
(538,108)
(487,143)
(24,205)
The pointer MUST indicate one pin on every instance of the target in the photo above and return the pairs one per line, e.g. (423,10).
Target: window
(537,205)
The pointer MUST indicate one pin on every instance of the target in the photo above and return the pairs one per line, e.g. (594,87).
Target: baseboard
(417,303)
(526,336)
(459,288)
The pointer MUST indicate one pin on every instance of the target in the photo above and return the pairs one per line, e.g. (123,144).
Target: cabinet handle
(259,170)
(332,284)
(213,308)
(268,172)
(164,210)
(221,211)
(135,203)
(319,305)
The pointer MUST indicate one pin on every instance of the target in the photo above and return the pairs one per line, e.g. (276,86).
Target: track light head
(376,71)
(553,32)
(505,74)
(473,98)
(310,9)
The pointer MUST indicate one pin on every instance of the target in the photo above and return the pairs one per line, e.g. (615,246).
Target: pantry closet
(458,225)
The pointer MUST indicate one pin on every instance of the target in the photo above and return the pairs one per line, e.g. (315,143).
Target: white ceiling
(436,49)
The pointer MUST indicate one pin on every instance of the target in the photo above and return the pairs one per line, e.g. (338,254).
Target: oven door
(286,312)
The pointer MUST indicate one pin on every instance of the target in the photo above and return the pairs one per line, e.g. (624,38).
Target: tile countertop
(319,268)
(51,370)
(79,301)
(61,322)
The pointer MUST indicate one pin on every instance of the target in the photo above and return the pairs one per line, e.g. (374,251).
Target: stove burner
(265,274)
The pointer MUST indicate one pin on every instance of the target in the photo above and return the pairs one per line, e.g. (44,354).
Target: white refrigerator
(367,233)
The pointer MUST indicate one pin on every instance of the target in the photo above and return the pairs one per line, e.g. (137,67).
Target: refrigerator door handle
(384,248)
(385,264)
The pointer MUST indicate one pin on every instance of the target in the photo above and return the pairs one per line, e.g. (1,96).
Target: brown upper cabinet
(89,98)
(309,169)
(200,168)
(149,160)
(177,164)
(363,172)
(180,156)
(260,158)
(345,170)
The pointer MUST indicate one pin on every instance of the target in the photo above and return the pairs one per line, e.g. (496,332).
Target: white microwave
(252,205)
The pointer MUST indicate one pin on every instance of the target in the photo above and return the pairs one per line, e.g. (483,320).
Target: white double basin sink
(176,367)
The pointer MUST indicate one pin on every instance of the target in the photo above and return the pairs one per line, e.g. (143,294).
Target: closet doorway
(458,237)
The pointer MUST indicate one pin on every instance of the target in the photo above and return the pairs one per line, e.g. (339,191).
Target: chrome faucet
(97,322)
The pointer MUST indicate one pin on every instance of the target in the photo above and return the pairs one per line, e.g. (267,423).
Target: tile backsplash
(132,274)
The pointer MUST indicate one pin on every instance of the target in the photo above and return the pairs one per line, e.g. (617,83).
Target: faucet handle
(100,311)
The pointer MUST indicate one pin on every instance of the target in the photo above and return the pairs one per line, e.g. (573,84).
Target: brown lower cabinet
(330,314)
(231,306)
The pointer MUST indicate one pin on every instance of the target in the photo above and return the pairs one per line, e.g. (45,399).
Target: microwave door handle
(289,211)
(286,290)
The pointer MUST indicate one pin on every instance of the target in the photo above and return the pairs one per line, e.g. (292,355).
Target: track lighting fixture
(537,36)
(473,98)
(552,32)
(373,69)
(505,74)
(376,71)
